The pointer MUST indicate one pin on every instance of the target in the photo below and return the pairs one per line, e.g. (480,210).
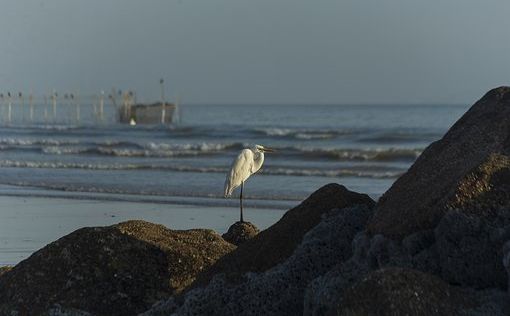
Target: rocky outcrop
(240,232)
(454,202)
(448,218)
(468,169)
(277,243)
(117,270)
(279,290)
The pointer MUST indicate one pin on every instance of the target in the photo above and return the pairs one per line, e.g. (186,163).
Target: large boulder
(117,270)
(468,169)
(275,244)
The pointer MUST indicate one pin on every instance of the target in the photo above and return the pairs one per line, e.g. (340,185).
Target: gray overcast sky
(260,51)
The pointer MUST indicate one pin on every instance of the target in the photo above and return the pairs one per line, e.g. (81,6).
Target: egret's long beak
(269,150)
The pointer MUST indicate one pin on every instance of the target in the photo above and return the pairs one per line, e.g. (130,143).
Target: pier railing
(68,109)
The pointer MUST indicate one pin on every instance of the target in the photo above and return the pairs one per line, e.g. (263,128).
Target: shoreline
(30,223)
(22,191)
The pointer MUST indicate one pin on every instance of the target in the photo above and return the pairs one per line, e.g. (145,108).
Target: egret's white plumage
(244,165)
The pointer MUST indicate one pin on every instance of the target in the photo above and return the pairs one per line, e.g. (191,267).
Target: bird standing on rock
(245,164)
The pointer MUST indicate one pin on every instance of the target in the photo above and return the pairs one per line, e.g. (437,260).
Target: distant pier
(73,108)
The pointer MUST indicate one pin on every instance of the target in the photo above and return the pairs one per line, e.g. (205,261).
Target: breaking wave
(116,148)
(399,137)
(302,134)
(162,149)
(342,172)
(377,154)
(357,135)
(35,142)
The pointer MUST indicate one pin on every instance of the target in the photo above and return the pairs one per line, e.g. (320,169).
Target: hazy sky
(260,51)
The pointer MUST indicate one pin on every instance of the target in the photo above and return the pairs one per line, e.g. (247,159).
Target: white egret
(247,163)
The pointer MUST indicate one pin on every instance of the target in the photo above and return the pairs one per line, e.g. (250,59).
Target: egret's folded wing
(239,172)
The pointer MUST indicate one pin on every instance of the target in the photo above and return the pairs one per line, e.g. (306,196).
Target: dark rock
(279,290)
(459,189)
(460,250)
(427,260)
(397,291)
(466,251)
(385,252)
(117,270)
(278,242)
(4,269)
(418,242)
(240,232)
(162,308)
(325,295)
(58,310)
(468,169)
(323,292)
(506,260)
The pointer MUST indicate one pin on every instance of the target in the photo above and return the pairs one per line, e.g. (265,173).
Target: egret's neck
(258,161)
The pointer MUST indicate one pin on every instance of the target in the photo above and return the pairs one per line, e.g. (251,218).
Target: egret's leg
(241,201)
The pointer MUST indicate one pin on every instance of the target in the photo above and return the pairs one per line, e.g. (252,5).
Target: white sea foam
(344,172)
(35,141)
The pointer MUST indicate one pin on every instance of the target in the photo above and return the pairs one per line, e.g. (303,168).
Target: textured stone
(468,169)
(280,290)
(325,294)
(240,232)
(275,244)
(4,269)
(468,248)
(117,270)
(506,260)
(397,291)
(417,242)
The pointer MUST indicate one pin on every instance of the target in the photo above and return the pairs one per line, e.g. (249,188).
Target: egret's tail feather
(227,191)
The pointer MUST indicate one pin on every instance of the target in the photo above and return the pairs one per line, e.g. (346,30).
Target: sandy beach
(29,223)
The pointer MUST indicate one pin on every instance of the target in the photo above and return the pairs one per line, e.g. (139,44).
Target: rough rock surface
(467,169)
(461,249)
(449,215)
(117,270)
(240,232)
(469,247)
(506,260)
(397,291)
(278,242)
(4,269)
(323,293)
(279,290)
(385,290)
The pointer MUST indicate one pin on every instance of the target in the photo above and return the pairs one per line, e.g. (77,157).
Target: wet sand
(27,224)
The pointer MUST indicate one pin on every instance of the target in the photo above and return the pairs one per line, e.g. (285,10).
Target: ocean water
(364,147)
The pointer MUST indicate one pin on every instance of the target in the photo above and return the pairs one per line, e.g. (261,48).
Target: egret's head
(263,149)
